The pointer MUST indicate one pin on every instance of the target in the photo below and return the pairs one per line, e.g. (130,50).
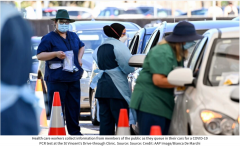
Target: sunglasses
(124,33)
(64,22)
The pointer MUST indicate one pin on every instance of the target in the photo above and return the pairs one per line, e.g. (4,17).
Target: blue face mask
(63,27)
(188,45)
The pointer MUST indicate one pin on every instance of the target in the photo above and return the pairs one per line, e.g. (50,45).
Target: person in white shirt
(215,9)
(230,9)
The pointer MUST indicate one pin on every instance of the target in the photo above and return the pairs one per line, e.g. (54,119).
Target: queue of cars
(209,105)
(138,47)
(201,113)
(199,108)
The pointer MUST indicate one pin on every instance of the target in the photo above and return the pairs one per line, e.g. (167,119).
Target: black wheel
(93,106)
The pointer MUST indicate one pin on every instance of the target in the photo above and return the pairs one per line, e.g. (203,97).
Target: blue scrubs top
(54,42)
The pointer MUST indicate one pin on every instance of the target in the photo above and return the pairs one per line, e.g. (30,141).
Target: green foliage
(25,4)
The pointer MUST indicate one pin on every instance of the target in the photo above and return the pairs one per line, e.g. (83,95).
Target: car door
(156,37)
(136,44)
(181,121)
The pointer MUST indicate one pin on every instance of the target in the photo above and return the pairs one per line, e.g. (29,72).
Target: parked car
(128,12)
(79,12)
(92,35)
(160,12)
(236,19)
(202,11)
(48,12)
(165,29)
(33,75)
(216,110)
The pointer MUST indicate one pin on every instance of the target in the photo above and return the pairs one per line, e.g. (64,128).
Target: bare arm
(161,81)
(50,55)
(80,55)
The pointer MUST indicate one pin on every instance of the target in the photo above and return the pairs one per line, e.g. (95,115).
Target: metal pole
(155,9)
(214,8)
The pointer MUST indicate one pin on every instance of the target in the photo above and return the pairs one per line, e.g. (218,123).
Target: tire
(93,107)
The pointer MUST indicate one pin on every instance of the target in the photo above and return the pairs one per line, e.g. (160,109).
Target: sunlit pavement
(86,126)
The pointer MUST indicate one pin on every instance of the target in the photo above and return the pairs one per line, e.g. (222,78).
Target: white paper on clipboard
(179,90)
(229,78)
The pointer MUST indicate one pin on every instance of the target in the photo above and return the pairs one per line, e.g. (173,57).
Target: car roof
(72,8)
(98,25)
(203,25)
(231,32)
(36,39)
(150,30)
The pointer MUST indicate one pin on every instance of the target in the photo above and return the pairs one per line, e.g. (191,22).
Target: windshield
(130,11)
(224,68)
(91,39)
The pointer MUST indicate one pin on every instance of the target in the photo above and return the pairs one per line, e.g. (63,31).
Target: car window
(146,9)
(196,53)
(155,41)
(107,13)
(135,46)
(92,39)
(163,13)
(131,43)
(130,11)
(102,13)
(73,13)
(149,44)
(145,40)
(116,12)
(224,63)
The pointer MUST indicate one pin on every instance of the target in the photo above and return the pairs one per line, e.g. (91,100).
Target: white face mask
(123,39)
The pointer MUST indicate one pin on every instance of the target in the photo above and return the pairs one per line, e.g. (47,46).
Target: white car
(209,105)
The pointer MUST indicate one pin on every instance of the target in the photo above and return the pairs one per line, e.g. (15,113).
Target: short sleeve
(44,46)
(160,63)
(81,44)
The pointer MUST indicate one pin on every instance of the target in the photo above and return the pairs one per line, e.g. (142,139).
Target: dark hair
(114,30)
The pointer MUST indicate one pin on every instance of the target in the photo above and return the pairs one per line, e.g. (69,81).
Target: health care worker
(62,50)
(113,92)
(153,96)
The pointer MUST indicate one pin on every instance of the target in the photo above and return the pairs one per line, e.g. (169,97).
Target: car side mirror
(136,60)
(235,94)
(181,77)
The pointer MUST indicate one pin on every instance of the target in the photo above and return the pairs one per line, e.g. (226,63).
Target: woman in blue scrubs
(52,50)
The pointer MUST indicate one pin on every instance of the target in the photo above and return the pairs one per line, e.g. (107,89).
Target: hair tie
(114,31)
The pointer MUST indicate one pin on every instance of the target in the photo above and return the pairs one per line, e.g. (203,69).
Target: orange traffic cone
(39,94)
(155,130)
(56,121)
(123,124)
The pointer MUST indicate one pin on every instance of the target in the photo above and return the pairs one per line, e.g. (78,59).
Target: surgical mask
(188,45)
(63,27)
(123,39)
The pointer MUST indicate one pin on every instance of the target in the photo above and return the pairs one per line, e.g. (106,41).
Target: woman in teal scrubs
(153,95)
